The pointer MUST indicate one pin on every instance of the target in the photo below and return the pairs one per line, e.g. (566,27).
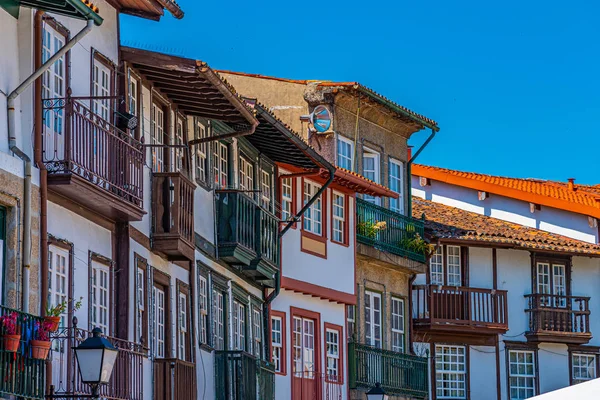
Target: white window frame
(203,309)
(141,301)
(396,184)
(257,332)
(450,371)
(351,319)
(221,164)
(277,342)
(436,267)
(178,153)
(313,216)
(246,175)
(183,325)
(157,137)
(101,85)
(100,302)
(332,351)
(398,321)
(287,188)
(338,212)
(373,318)
(519,381)
(201,155)
(218,304)
(344,160)
(58,279)
(551,279)
(133,95)
(375,174)
(239,325)
(266,193)
(453,266)
(303,345)
(160,322)
(583,371)
(53,86)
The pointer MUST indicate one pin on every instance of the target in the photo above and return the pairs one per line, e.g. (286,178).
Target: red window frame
(346,237)
(341,343)
(294,198)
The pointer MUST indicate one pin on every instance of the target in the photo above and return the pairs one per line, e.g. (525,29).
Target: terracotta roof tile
(446,222)
(581,199)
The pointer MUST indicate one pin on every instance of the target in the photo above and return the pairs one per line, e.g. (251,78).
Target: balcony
(241,376)
(127,379)
(92,162)
(174,379)
(463,309)
(399,374)
(247,235)
(389,231)
(173,215)
(558,319)
(22,376)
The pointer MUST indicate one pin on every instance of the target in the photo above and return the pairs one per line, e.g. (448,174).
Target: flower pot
(11,342)
(53,323)
(40,349)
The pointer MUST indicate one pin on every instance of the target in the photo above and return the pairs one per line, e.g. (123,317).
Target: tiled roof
(580,199)
(446,222)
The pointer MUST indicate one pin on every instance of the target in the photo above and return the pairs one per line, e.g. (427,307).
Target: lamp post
(96,358)
(377,393)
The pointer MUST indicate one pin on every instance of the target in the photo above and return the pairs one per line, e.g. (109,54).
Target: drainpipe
(12,140)
(408,169)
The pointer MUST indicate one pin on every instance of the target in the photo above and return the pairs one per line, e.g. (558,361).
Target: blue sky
(514,85)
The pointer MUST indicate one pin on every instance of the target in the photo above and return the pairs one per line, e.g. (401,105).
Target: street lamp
(377,393)
(96,358)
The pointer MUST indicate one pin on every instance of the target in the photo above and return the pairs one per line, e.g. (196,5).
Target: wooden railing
(446,306)
(398,373)
(389,231)
(558,314)
(174,379)
(243,222)
(21,375)
(127,379)
(78,141)
(239,376)
(173,205)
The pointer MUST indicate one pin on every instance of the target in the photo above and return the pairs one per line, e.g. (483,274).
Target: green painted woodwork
(398,373)
(70,8)
(22,376)
(397,234)
(11,7)
(241,376)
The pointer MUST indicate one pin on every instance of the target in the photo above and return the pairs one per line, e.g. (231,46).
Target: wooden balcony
(247,235)
(174,379)
(240,376)
(22,376)
(463,309)
(558,319)
(92,162)
(173,215)
(399,374)
(127,379)
(389,231)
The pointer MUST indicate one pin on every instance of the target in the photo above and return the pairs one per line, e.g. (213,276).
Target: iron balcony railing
(390,231)
(398,373)
(561,315)
(78,141)
(241,376)
(174,379)
(20,374)
(243,222)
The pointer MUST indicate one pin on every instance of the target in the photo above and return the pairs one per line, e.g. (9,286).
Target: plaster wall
(482,373)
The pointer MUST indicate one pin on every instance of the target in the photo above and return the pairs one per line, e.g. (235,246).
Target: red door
(305,356)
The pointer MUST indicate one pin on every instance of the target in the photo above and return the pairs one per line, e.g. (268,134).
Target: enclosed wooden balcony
(558,319)
(398,373)
(173,215)
(457,308)
(174,379)
(240,375)
(92,162)
(247,235)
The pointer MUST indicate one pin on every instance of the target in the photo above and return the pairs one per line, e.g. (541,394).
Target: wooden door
(305,382)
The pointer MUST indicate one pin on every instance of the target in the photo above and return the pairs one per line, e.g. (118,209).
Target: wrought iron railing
(78,141)
(558,314)
(20,374)
(390,231)
(398,373)
(241,376)
(174,379)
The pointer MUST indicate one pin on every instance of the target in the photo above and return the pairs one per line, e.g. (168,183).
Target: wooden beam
(145,57)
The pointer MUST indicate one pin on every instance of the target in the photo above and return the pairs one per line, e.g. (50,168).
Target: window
(53,86)
(101,290)
(201,160)
(303,342)
(218,319)
(345,153)
(246,175)
(182,331)
(203,309)
(371,171)
(266,190)
(338,215)
(583,367)
(521,374)
(397,325)
(373,318)
(277,342)
(286,199)
(140,303)
(312,216)
(58,279)
(450,372)
(257,332)
(220,165)
(3,248)
(551,279)
(157,138)
(133,96)
(101,87)
(179,153)
(332,345)
(160,322)
(351,320)
(453,263)
(239,326)
(436,266)
(397,185)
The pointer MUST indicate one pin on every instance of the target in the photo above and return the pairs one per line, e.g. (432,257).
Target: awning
(589,390)
(79,9)
(192,86)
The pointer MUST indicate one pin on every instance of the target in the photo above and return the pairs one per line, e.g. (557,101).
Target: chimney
(571,184)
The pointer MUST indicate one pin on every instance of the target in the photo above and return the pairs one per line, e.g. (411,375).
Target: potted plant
(40,347)
(11,337)
(370,228)
(53,313)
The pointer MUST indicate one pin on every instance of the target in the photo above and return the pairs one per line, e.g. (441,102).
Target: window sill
(314,236)
(340,243)
(205,347)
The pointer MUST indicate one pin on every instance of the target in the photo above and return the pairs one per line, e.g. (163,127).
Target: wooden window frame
(62,30)
(215,148)
(185,162)
(219,283)
(402,178)
(324,228)
(294,198)
(162,281)
(583,350)
(521,346)
(110,264)
(164,108)
(351,332)
(131,74)
(381,314)
(104,60)
(142,264)
(303,313)
(434,371)
(377,172)
(341,138)
(207,153)
(404,301)
(346,223)
(203,274)
(183,288)
(464,265)
(283,358)
(552,260)
(69,247)
(341,343)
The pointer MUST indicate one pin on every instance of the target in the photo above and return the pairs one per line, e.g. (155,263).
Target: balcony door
(446,271)
(305,358)
(551,280)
